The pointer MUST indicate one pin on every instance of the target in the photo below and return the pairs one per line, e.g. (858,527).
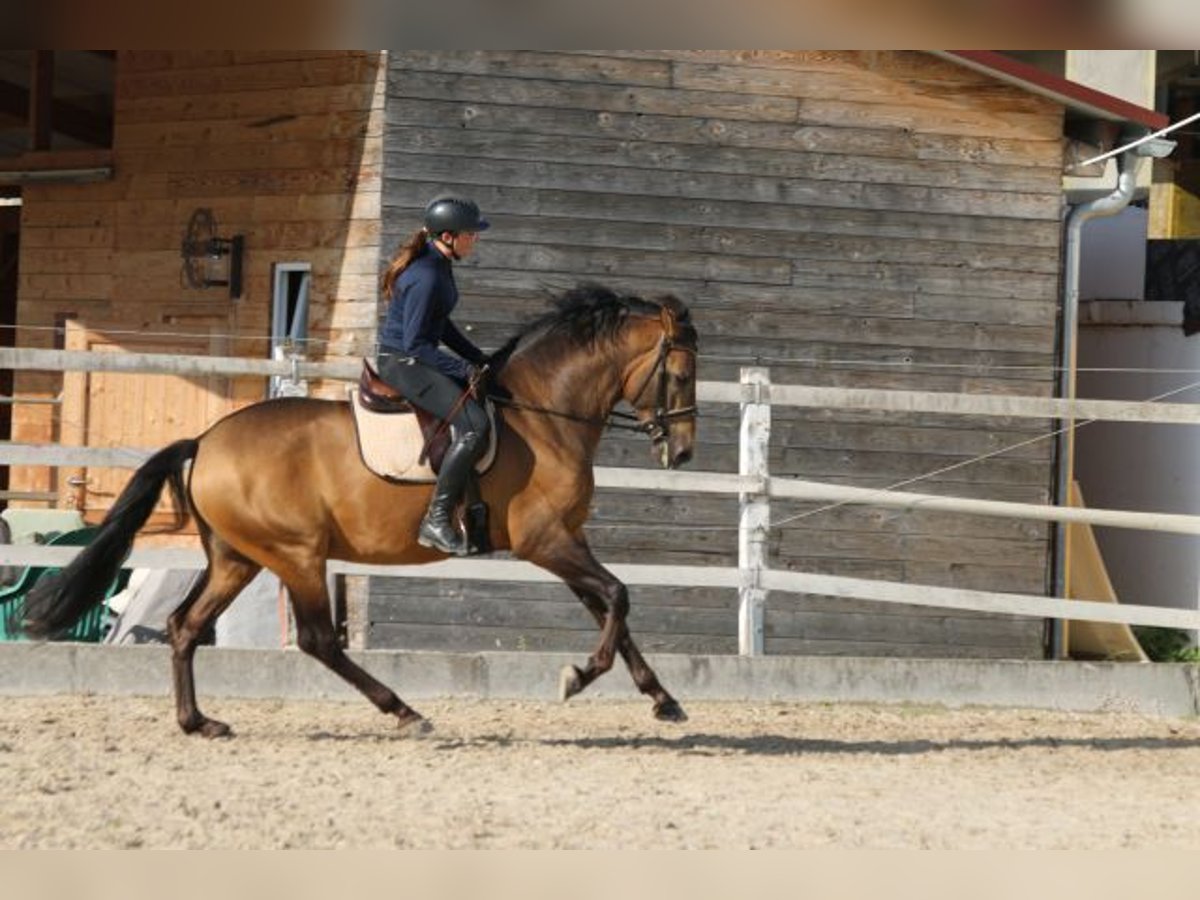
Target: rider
(419,283)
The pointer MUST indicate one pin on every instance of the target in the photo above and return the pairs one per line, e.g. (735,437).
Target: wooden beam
(41,100)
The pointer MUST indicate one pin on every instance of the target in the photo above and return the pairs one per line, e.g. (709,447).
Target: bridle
(657,426)
(659,423)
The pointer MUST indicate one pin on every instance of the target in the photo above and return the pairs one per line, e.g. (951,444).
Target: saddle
(377,396)
(390,428)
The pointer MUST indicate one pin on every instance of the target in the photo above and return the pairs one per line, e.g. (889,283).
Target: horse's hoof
(570,682)
(414,725)
(211,728)
(669,711)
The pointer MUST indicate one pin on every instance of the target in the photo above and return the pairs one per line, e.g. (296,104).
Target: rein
(656,427)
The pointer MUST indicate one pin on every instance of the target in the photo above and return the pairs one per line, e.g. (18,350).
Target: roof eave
(1081,98)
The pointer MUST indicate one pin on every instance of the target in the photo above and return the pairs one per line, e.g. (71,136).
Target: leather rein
(656,426)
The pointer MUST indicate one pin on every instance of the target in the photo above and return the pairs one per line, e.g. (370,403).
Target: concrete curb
(1155,689)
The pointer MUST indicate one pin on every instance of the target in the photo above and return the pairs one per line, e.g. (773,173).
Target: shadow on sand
(779,745)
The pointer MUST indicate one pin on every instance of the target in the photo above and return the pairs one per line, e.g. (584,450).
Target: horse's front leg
(607,599)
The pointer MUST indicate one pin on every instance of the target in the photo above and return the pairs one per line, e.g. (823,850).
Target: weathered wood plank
(392,593)
(798,624)
(452,638)
(323,152)
(80,237)
(719,186)
(1001,157)
(949,549)
(600,263)
(601,97)
(260,109)
(154,60)
(1032,579)
(584,67)
(902,64)
(75,260)
(333,233)
(566,614)
(407,194)
(893,467)
(262,181)
(1031,648)
(337,125)
(936,279)
(961,442)
(975,104)
(252,76)
(691,158)
(530,290)
(807,245)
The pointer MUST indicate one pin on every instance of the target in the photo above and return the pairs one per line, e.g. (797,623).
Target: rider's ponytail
(405,254)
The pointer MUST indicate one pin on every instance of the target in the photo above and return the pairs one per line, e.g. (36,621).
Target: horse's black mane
(588,314)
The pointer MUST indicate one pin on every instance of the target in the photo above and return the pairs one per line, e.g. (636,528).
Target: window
(289,322)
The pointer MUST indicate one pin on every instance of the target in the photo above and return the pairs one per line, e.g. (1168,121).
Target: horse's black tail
(57,602)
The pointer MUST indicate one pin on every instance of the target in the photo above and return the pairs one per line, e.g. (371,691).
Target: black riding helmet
(453,214)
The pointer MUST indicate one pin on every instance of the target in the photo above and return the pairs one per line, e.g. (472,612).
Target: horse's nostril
(682,458)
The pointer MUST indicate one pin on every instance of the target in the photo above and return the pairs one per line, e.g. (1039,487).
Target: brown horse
(280,485)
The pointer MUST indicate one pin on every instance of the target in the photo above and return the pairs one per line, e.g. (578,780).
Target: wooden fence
(754,485)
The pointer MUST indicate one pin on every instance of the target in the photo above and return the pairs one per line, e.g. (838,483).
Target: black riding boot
(437,528)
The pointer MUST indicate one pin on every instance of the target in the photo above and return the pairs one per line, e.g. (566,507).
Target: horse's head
(661,383)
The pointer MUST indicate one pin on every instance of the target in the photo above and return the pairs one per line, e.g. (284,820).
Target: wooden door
(134,410)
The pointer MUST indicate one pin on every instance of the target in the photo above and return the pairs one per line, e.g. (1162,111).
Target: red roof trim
(1071,93)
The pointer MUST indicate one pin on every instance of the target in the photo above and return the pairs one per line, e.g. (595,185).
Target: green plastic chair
(89,629)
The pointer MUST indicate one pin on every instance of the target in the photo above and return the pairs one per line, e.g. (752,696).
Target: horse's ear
(669,323)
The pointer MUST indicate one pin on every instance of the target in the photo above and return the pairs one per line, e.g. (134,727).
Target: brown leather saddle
(378,396)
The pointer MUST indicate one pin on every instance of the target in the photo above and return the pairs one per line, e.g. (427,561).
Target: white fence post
(754,507)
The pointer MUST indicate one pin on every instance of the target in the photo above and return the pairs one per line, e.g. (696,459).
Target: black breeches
(437,393)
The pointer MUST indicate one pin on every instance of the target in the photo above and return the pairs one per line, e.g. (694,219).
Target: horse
(280,485)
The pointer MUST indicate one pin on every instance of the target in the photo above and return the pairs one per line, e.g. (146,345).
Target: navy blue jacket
(418,317)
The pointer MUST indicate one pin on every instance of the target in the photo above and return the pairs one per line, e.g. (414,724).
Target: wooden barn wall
(284,147)
(882,220)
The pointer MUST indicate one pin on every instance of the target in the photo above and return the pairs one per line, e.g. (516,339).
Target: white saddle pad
(390,443)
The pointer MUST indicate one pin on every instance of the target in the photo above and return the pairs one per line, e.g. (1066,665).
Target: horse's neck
(582,386)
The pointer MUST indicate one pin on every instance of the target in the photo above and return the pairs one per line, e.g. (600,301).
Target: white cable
(1141,140)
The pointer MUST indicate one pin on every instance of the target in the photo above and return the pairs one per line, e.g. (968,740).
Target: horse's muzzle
(682,458)
(672,454)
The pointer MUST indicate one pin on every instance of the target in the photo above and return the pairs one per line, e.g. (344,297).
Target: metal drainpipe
(1080,215)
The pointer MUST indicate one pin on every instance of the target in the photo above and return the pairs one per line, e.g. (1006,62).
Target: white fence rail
(753,484)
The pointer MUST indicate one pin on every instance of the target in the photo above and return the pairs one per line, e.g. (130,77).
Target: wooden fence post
(754,507)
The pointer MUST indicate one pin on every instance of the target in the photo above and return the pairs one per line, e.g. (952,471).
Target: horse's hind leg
(316,636)
(607,599)
(228,572)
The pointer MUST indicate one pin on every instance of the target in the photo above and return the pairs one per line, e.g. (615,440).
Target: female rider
(419,282)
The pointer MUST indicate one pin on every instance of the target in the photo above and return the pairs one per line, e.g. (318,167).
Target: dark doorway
(10,240)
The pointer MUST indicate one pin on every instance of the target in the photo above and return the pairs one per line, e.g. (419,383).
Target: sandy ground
(115,772)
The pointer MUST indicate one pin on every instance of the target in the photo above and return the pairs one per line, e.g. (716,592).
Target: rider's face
(464,243)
